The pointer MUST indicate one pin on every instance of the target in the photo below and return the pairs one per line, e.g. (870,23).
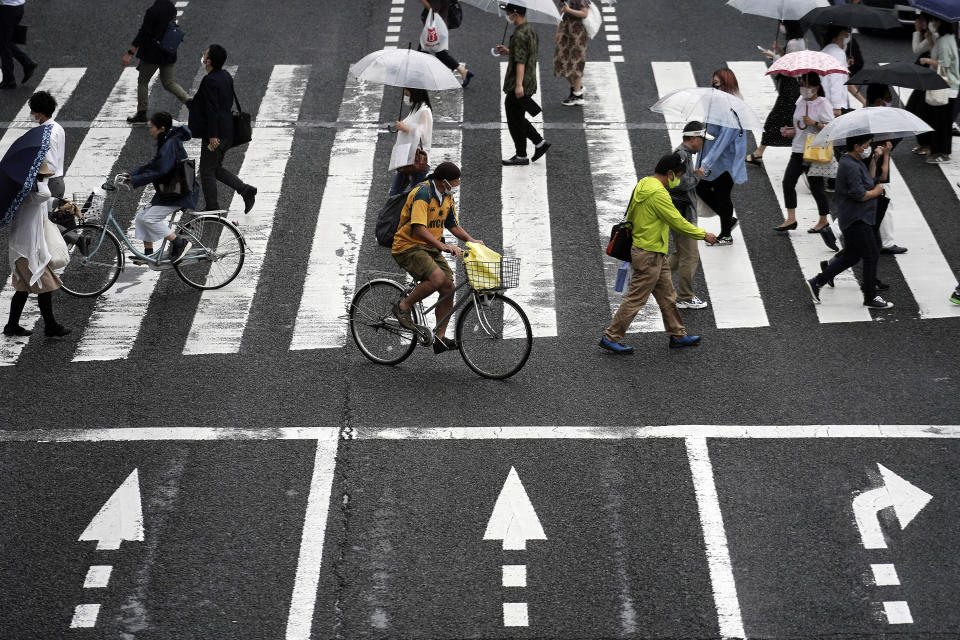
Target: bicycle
(493,334)
(96,258)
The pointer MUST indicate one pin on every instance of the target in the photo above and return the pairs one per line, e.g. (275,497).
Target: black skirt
(781,115)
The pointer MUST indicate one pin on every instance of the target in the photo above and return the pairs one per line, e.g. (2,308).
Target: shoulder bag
(816,155)
(621,239)
(179,182)
(59,256)
(938,97)
(242,128)
(419,163)
(170,41)
(593,21)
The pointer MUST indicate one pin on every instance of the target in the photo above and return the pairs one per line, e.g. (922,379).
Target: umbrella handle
(503,38)
(739,124)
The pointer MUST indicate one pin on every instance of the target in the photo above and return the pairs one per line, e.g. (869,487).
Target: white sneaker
(693,303)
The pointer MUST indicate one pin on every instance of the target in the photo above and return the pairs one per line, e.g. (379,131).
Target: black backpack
(389,218)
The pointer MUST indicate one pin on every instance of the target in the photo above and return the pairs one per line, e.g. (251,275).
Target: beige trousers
(651,274)
(166,79)
(683,262)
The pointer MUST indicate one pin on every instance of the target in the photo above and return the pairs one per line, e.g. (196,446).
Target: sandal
(920,150)
(754,159)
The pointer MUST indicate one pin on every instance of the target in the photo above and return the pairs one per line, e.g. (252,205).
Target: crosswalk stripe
(728,271)
(222,314)
(332,267)
(59,82)
(842,304)
(118,315)
(94,159)
(526,229)
(614,177)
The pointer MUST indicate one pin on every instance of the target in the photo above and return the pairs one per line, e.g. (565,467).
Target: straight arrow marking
(906,499)
(514,519)
(119,519)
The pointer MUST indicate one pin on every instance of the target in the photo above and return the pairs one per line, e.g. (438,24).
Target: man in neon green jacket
(652,214)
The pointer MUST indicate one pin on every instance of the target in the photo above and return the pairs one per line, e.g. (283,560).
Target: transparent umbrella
(544,11)
(883,123)
(404,68)
(778,9)
(707,105)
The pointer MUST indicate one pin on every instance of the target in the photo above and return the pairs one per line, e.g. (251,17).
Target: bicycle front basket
(487,276)
(91,205)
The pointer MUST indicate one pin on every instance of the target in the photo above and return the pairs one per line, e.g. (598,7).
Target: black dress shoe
(57,331)
(823,269)
(28,70)
(516,162)
(249,198)
(140,117)
(829,238)
(786,227)
(16,330)
(894,250)
(539,151)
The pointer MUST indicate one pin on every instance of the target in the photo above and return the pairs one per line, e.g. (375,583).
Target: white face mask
(451,190)
(808,92)
(934,27)
(846,42)
(406,100)
(866,153)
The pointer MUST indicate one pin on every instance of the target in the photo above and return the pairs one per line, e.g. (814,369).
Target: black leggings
(716,194)
(792,174)
(45,300)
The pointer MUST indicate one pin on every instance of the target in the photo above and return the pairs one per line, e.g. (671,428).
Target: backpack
(172,37)
(389,218)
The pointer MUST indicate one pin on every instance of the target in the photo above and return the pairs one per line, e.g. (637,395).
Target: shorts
(420,262)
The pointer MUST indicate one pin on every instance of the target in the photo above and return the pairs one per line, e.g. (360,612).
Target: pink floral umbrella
(800,63)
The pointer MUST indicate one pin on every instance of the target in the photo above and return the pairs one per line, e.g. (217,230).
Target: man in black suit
(212,122)
(152,58)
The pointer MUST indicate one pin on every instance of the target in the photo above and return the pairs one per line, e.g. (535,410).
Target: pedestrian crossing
(326,277)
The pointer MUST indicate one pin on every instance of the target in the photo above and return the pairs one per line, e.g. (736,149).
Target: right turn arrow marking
(906,499)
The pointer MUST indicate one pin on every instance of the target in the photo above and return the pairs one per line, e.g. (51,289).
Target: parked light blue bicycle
(96,258)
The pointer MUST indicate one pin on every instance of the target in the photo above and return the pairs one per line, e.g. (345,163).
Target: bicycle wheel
(216,256)
(373,326)
(95,264)
(494,336)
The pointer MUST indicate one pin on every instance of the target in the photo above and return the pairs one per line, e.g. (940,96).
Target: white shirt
(420,134)
(819,109)
(55,157)
(833,84)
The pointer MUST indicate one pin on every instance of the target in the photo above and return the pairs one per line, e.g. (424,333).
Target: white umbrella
(883,123)
(404,68)
(707,105)
(778,9)
(544,11)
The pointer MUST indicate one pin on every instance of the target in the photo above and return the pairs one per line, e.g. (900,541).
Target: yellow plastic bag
(818,155)
(482,265)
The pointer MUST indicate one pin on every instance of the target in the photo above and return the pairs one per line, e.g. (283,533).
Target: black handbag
(242,127)
(179,182)
(621,239)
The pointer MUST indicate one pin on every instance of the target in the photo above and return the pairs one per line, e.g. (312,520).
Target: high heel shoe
(786,227)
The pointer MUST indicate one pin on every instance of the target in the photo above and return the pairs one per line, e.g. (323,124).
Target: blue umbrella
(18,169)
(948,10)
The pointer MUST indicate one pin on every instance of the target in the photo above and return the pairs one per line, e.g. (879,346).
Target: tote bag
(818,155)
(434,36)
(938,97)
(59,256)
(593,21)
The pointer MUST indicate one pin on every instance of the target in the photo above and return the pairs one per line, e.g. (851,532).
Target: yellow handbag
(818,155)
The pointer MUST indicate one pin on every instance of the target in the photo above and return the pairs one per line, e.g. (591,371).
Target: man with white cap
(686,255)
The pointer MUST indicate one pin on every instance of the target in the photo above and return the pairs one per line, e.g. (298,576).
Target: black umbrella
(901,74)
(18,169)
(852,15)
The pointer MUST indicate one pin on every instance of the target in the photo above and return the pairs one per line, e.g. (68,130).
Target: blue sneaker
(617,347)
(685,341)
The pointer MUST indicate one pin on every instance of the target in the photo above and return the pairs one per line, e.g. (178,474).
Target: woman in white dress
(413,132)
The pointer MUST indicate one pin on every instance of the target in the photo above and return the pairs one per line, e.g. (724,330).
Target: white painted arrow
(513,519)
(906,499)
(119,519)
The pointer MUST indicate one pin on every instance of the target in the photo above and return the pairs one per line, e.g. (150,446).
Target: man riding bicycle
(418,242)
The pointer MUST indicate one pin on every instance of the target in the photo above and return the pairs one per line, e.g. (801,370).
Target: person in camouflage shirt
(520,84)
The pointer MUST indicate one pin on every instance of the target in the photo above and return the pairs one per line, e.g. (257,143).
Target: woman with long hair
(413,132)
(943,58)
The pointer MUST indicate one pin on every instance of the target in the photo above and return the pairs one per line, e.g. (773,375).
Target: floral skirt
(570,55)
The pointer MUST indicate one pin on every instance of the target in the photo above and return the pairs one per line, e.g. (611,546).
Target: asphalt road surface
(227,464)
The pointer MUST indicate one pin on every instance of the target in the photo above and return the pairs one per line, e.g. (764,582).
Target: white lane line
(222,314)
(885,575)
(515,614)
(845,302)
(614,178)
(897,612)
(332,267)
(118,315)
(85,616)
(715,538)
(514,575)
(98,576)
(741,432)
(92,163)
(304,598)
(60,83)
(525,213)
(728,271)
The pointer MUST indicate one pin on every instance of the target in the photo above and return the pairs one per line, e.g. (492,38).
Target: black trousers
(859,243)
(792,174)
(716,194)
(520,128)
(940,140)
(212,171)
(9,18)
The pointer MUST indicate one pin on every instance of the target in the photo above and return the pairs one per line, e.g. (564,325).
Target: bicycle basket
(486,276)
(91,205)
